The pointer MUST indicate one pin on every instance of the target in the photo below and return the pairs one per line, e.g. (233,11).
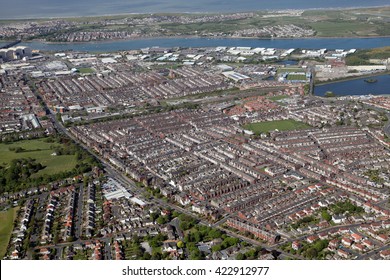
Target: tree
(156,256)
(320,245)
(180,244)
(161,220)
(240,256)
(326,216)
(195,254)
(175,214)
(251,254)
(215,233)
(197,236)
(216,248)
(311,253)
(154,216)
(184,225)
(146,256)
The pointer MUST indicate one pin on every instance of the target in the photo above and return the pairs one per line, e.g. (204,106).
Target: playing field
(290,70)
(41,151)
(296,77)
(86,70)
(282,125)
(6,226)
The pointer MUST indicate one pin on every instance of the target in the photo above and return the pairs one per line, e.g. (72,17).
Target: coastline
(198,37)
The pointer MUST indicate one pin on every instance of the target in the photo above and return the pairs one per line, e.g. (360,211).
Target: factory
(14,53)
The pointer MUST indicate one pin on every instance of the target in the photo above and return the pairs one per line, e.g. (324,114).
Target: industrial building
(13,53)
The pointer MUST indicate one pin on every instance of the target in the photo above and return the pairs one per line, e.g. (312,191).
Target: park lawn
(57,164)
(86,70)
(40,150)
(281,125)
(6,226)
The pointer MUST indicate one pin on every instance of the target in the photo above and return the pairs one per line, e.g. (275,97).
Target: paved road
(79,213)
(39,214)
(367,255)
(224,219)
(59,251)
(107,251)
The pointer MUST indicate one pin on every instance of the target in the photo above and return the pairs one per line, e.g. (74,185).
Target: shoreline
(192,13)
(195,37)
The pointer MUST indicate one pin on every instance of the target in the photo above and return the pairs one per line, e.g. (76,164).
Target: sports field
(6,226)
(41,151)
(282,125)
(296,77)
(86,70)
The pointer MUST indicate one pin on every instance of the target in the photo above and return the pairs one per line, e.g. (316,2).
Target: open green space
(363,57)
(281,125)
(85,70)
(41,151)
(296,77)
(343,28)
(290,70)
(6,226)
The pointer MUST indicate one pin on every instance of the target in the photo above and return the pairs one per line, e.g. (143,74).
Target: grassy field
(6,226)
(344,29)
(282,125)
(295,77)
(41,151)
(86,70)
(362,57)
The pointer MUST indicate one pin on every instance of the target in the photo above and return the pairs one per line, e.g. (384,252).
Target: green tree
(161,220)
(180,244)
(326,216)
(215,233)
(240,256)
(184,225)
(154,216)
(311,253)
(196,254)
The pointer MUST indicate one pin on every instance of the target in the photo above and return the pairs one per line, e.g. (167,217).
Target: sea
(22,9)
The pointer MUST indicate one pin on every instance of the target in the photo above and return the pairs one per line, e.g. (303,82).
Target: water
(288,62)
(356,87)
(312,43)
(59,8)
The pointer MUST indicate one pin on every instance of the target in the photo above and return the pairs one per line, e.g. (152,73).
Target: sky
(66,8)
